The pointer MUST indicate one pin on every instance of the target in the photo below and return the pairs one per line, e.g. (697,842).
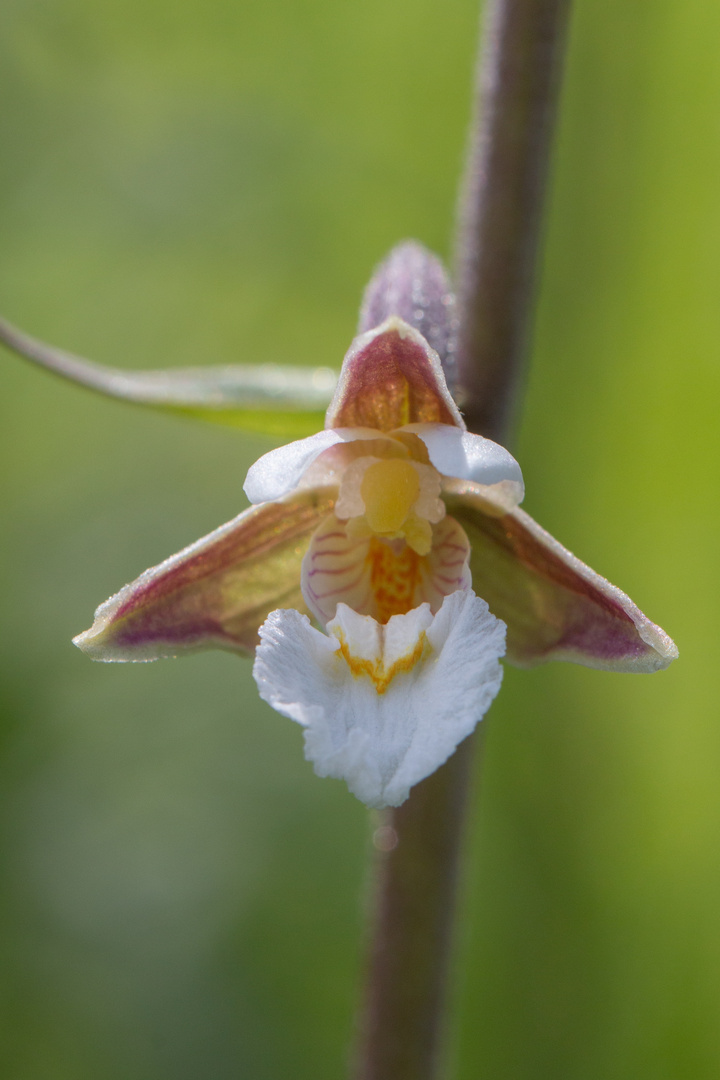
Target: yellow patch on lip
(376,670)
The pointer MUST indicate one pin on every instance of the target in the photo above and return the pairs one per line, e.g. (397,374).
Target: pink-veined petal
(389,378)
(447,568)
(336,568)
(466,456)
(381,578)
(555,607)
(215,593)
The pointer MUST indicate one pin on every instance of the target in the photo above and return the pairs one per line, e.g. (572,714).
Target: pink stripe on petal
(380,579)
(391,377)
(336,574)
(215,593)
(435,582)
(555,607)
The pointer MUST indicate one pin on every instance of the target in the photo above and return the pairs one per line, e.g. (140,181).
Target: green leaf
(273,399)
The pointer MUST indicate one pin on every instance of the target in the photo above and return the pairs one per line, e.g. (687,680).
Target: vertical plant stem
(402,1019)
(401,1028)
(502,201)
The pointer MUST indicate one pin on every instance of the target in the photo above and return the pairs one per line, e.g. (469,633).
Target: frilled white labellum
(383,706)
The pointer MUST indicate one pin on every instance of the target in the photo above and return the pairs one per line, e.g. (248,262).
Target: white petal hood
(452,451)
(282,470)
(466,456)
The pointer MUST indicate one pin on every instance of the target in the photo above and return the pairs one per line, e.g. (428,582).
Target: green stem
(403,1015)
(401,1028)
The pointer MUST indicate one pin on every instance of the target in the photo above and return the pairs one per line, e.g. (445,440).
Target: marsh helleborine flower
(399,533)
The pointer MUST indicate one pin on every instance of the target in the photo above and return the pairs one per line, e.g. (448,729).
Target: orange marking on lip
(393,578)
(376,670)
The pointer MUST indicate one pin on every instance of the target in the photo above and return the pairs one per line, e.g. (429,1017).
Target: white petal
(277,473)
(470,457)
(280,471)
(383,743)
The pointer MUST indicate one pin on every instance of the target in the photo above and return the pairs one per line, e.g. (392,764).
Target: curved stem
(402,1020)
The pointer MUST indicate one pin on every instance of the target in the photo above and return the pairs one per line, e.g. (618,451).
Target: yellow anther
(389,489)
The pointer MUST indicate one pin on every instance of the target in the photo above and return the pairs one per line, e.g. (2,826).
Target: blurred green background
(194,182)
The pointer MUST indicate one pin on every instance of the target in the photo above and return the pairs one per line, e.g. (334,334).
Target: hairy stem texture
(501,203)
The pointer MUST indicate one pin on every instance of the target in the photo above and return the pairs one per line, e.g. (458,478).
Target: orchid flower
(379,576)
